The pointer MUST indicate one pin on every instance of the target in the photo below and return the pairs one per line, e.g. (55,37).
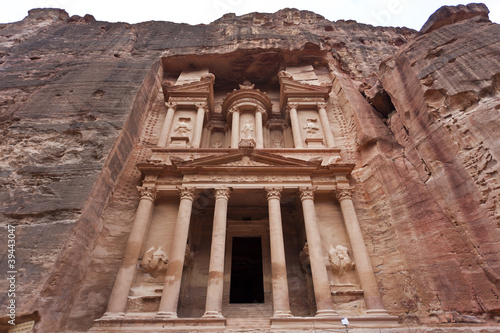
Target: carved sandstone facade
(257,158)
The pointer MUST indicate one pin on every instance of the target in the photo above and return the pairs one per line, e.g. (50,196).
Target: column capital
(186,192)
(222,193)
(343,193)
(147,192)
(171,105)
(273,192)
(321,105)
(307,192)
(260,109)
(233,110)
(292,105)
(202,105)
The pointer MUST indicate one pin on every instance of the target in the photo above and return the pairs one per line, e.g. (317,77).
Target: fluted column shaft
(259,135)
(167,125)
(294,120)
(119,295)
(172,285)
(325,123)
(281,301)
(320,279)
(364,267)
(213,307)
(198,129)
(235,129)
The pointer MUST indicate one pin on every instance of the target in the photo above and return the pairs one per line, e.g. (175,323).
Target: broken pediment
(199,89)
(290,88)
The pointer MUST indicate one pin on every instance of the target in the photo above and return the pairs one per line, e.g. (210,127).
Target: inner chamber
(247,279)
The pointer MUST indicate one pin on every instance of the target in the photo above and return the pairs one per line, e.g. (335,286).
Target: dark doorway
(247,279)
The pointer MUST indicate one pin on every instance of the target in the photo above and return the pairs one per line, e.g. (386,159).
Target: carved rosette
(147,192)
(186,193)
(201,105)
(171,105)
(274,192)
(307,193)
(343,193)
(222,193)
(321,105)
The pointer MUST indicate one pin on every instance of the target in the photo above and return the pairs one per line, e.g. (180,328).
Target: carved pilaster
(147,192)
(274,192)
(307,192)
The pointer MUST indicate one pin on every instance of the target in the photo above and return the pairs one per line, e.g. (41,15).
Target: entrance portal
(247,279)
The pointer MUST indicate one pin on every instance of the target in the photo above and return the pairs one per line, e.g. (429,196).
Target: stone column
(213,307)
(259,135)
(235,128)
(281,301)
(198,129)
(321,283)
(172,285)
(119,295)
(325,123)
(167,124)
(364,267)
(294,119)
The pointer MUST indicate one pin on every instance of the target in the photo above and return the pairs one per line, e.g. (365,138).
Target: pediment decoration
(289,88)
(254,159)
(201,89)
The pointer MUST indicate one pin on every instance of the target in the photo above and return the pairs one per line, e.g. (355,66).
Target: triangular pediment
(248,160)
(193,89)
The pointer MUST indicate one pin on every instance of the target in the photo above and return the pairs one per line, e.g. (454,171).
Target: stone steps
(248,323)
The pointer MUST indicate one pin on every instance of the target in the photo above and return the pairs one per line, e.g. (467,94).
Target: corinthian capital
(307,192)
(222,193)
(343,193)
(147,192)
(171,105)
(321,105)
(186,193)
(293,105)
(274,192)
(201,105)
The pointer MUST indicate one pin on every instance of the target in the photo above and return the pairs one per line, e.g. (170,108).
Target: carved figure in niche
(247,131)
(311,127)
(217,144)
(341,263)
(154,261)
(277,140)
(305,262)
(182,128)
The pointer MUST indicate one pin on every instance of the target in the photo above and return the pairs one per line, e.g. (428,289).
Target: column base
(113,315)
(377,312)
(213,314)
(166,315)
(326,313)
(282,314)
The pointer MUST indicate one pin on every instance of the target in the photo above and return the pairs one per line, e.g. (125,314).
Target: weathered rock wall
(434,191)
(74,95)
